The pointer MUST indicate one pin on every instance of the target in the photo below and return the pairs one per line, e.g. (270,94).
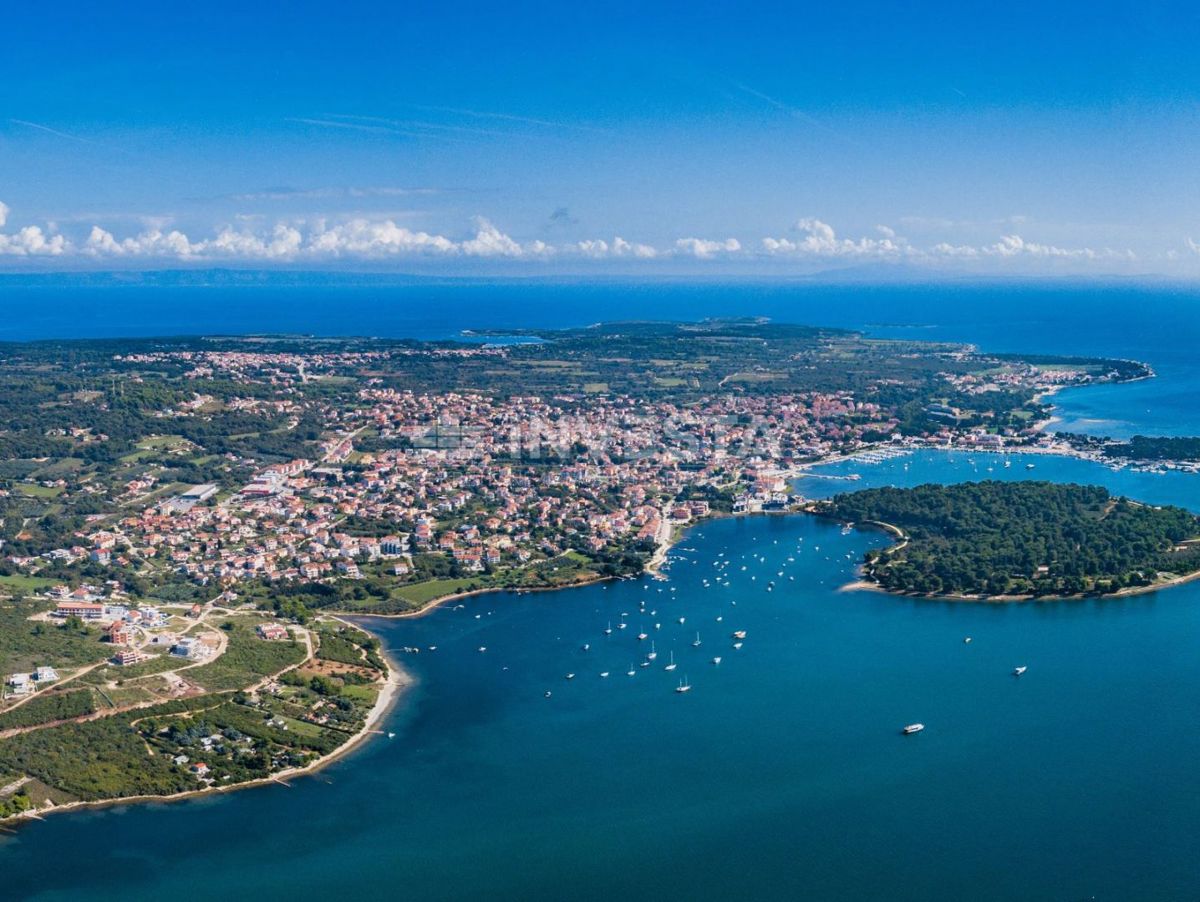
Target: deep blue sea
(781,775)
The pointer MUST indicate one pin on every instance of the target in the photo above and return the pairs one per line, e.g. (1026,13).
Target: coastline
(397,682)
(398,679)
(866,585)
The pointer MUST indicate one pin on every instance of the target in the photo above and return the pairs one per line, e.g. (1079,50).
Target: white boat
(570,676)
(683,620)
(717,659)
(603,673)
(737,644)
(1028,466)
(739,634)
(653,654)
(684,686)
(548,693)
(630,671)
(586,646)
(1017,671)
(672,665)
(643,636)
(913,728)
(483,648)
(608,629)
(967,640)
(696,644)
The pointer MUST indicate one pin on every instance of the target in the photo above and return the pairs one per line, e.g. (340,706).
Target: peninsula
(1000,540)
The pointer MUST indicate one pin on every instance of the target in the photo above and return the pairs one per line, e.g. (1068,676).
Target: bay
(782,773)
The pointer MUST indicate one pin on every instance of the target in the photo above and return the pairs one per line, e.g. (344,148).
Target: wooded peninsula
(1023,539)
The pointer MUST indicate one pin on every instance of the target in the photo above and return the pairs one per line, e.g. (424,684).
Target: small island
(1001,540)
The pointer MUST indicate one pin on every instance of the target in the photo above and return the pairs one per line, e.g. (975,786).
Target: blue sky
(618,137)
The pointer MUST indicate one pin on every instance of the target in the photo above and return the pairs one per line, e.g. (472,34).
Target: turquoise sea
(781,775)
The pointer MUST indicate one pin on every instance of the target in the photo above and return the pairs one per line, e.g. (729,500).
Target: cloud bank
(362,239)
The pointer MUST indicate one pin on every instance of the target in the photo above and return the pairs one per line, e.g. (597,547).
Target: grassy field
(33,490)
(247,659)
(20,584)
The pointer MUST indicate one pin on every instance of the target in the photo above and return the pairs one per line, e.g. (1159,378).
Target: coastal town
(173,597)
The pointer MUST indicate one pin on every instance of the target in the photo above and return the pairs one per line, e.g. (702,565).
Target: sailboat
(630,671)
(696,644)
(653,654)
(672,665)
(684,686)
(608,629)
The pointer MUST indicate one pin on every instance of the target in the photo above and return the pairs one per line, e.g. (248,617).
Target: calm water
(781,775)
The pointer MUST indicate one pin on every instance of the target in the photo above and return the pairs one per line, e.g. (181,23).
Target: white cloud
(1016,246)
(32,241)
(255,240)
(489,241)
(283,244)
(599,249)
(820,240)
(363,238)
(151,243)
(704,249)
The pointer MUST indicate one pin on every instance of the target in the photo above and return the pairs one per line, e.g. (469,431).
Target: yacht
(570,676)
(672,665)
(739,634)
(643,636)
(717,659)
(1017,671)
(913,728)
(696,644)
(1028,466)
(630,671)
(603,673)
(684,686)
(653,654)
(608,629)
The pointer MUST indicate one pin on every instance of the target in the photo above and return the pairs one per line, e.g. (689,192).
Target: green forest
(1020,538)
